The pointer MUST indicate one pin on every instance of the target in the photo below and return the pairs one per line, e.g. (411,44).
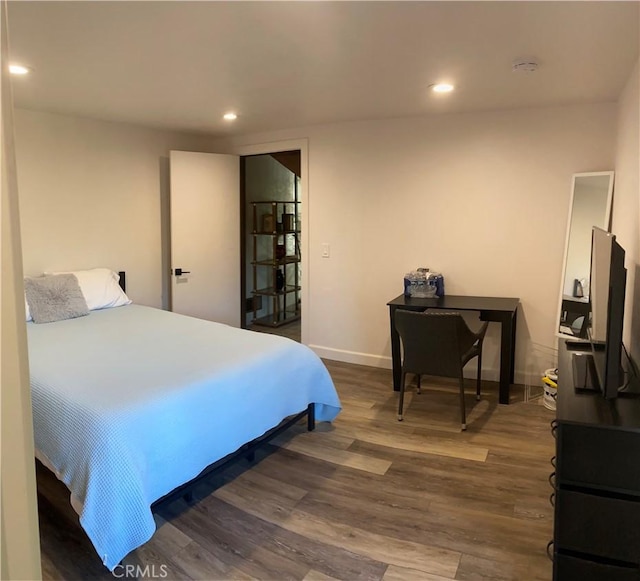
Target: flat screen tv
(606,298)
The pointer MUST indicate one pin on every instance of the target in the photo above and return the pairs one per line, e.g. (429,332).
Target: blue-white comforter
(131,402)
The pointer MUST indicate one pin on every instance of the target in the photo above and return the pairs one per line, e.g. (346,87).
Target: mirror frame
(606,225)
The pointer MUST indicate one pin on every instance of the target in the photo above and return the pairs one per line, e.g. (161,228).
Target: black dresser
(596,482)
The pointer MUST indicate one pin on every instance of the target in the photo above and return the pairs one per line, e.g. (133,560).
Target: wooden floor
(365,498)
(290,330)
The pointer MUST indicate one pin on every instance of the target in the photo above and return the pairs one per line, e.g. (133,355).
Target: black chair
(438,343)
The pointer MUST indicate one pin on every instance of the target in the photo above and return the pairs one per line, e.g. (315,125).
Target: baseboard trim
(384,362)
(355,357)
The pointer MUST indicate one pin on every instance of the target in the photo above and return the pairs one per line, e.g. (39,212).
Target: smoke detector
(524,65)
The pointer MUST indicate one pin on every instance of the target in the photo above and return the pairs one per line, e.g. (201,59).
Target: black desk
(500,310)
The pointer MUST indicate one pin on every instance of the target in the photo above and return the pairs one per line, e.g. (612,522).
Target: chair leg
(418,390)
(463,414)
(478,380)
(402,382)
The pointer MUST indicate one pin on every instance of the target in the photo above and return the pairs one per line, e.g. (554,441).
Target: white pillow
(26,309)
(100,288)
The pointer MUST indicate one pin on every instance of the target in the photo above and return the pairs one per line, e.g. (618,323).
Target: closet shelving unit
(278,222)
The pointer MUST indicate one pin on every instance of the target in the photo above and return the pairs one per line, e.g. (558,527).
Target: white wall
(626,204)
(96,194)
(481,197)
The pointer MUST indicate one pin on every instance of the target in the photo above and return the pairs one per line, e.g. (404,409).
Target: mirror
(591,197)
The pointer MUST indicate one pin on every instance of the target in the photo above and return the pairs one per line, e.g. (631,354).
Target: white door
(205,236)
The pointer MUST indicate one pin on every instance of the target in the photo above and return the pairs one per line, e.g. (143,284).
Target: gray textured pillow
(54,298)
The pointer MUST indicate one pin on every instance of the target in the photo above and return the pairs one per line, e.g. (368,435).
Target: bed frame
(123,280)
(247,451)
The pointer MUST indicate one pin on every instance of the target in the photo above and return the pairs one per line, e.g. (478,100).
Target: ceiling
(181,65)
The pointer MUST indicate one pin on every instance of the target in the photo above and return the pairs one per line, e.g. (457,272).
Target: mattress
(131,402)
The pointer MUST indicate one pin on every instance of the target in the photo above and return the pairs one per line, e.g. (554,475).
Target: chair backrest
(433,343)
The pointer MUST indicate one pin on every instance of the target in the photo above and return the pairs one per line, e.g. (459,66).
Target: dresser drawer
(567,568)
(603,457)
(598,525)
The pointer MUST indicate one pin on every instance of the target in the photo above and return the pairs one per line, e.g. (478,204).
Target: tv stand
(596,484)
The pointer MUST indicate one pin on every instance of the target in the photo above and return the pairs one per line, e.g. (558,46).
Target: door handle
(180,272)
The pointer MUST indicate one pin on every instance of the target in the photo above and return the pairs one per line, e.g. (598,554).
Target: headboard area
(123,280)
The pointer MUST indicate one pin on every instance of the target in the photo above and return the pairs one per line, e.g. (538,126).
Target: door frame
(274,147)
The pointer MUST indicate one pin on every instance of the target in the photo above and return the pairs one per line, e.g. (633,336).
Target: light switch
(325,250)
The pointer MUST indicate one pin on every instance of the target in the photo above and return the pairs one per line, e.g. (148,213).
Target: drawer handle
(552,499)
(550,553)
(553,461)
(552,480)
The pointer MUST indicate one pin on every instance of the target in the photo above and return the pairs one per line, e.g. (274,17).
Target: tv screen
(606,297)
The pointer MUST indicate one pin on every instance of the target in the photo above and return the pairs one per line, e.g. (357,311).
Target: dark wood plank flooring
(365,498)
(291,330)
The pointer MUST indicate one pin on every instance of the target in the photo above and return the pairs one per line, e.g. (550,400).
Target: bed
(131,402)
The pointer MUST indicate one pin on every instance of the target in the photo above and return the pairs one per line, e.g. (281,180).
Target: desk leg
(512,373)
(507,355)
(395,351)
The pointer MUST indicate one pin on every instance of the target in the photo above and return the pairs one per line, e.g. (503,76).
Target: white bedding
(131,402)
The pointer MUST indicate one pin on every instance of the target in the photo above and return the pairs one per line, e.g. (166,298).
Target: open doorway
(271,227)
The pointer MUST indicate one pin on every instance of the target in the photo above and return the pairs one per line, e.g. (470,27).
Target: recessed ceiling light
(19,70)
(229,116)
(442,88)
